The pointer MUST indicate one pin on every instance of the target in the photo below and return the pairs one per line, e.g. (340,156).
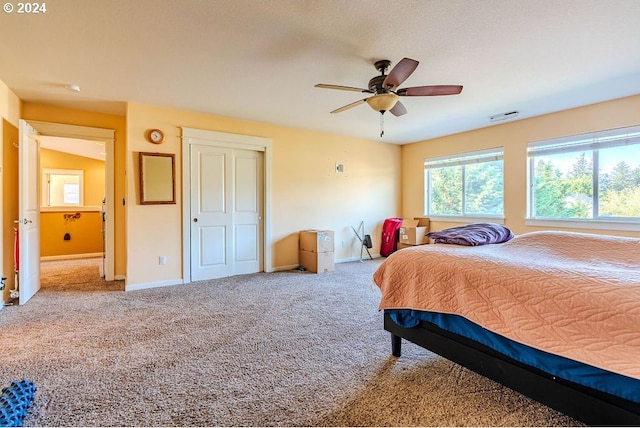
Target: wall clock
(155,136)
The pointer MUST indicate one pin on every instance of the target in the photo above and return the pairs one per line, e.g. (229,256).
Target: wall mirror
(157,178)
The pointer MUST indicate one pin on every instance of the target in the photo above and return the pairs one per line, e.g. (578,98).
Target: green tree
(484,184)
(624,203)
(446,190)
(550,191)
(622,177)
(580,178)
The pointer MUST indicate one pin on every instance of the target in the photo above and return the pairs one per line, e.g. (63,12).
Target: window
(586,177)
(62,187)
(465,185)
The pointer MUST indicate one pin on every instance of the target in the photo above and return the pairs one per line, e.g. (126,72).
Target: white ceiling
(259,59)
(79,147)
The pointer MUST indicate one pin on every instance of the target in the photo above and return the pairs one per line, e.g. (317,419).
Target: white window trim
(576,143)
(469,219)
(459,159)
(585,224)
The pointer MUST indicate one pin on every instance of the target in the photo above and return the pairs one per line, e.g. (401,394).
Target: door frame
(108,137)
(236,141)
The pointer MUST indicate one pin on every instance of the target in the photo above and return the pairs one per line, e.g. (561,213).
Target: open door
(29,212)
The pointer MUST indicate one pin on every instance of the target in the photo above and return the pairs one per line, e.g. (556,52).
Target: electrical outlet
(339,167)
(162,260)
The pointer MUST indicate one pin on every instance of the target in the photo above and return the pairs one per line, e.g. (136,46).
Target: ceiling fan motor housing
(375,85)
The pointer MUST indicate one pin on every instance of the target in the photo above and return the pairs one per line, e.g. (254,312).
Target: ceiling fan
(385,89)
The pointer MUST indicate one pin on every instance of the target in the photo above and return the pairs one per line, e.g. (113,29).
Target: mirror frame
(157,183)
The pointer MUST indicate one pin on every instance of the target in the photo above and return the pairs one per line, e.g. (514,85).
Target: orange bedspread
(574,295)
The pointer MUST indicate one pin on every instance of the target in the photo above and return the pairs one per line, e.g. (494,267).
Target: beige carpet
(282,349)
(76,274)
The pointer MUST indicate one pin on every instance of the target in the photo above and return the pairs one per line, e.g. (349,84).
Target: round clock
(155,136)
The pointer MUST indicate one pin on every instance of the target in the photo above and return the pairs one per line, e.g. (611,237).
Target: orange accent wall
(85,233)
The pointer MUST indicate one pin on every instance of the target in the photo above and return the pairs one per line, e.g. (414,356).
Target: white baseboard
(71,256)
(342,260)
(357,259)
(145,285)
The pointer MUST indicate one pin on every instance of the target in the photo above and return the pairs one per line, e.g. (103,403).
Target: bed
(553,315)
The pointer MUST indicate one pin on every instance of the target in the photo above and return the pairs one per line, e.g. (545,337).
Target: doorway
(72,209)
(105,137)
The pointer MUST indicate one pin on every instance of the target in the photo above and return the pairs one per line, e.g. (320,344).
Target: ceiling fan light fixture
(382,102)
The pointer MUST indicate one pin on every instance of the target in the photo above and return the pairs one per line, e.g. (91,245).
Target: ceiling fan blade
(400,73)
(342,88)
(427,91)
(348,106)
(399,109)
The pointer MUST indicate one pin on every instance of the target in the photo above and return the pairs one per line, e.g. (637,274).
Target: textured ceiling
(259,59)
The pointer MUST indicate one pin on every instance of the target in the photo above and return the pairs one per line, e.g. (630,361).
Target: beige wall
(306,191)
(514,137)
(47,113)
(9,113)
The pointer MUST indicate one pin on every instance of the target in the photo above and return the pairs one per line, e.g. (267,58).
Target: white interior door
(29,213)
(226,206)
(247,211)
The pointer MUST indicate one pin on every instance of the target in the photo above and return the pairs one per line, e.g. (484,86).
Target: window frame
(45,201)
(461,159)
(593,142)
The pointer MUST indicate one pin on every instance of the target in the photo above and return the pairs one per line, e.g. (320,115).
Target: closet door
(226,206)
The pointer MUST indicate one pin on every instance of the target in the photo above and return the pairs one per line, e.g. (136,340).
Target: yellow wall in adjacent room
(94,172)
(306,190)
(514,137)
(10,106)
(48,113)
(9,201)
(86,231)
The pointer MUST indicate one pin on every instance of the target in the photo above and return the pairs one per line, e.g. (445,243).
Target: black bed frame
(582,403)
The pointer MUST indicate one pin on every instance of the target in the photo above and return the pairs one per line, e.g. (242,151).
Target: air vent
(504,116)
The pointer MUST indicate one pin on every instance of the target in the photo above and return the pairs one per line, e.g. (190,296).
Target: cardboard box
(411,233)
(401,245)
(317,241)
(317,262)
(423,221)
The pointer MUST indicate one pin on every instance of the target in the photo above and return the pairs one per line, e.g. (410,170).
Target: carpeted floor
(281,349)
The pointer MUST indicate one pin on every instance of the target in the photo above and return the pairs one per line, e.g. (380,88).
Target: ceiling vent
(504,116)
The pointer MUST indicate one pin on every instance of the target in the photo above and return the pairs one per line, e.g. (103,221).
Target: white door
(29,213)
(226,211)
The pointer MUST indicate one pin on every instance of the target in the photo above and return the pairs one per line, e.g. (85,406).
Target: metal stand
(365,240)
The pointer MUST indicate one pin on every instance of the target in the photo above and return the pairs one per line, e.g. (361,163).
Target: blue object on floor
(15,400)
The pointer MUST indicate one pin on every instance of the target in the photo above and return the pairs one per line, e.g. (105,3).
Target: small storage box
(317,262)
(316,241)
(412,232)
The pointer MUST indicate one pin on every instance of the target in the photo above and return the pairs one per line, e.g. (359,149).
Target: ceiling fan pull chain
(381,124)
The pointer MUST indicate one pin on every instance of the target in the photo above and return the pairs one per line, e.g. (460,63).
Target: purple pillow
(472,234)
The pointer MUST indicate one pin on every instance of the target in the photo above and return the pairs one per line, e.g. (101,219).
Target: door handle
(195,220)
(25,221)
